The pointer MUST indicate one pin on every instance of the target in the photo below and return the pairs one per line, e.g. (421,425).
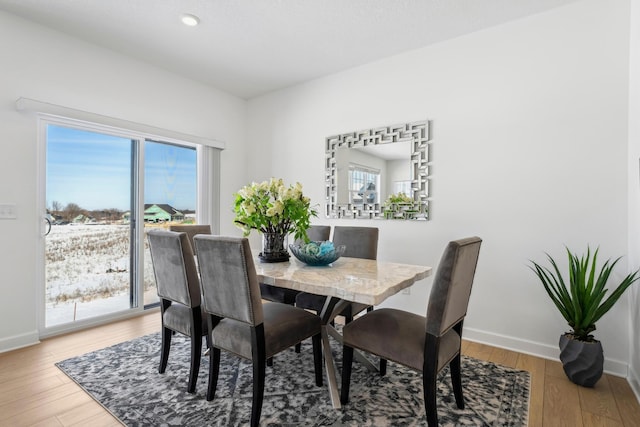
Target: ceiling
(251,47)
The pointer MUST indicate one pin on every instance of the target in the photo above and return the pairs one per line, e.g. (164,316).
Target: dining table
(355,282)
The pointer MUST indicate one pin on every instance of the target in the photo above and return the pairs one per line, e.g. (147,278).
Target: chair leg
(259,361)
(347,360)
(196,354)
(270,362)
(383,367)
(454,366)
(429,389)
(429,377)
(214,368)
(164,352)
(456,381)
(317,358)
(258,391)
(208,340)
(298,347)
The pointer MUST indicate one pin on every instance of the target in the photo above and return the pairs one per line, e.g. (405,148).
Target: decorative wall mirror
(380,173)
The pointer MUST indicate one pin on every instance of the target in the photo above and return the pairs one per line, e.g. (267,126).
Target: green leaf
(581,300)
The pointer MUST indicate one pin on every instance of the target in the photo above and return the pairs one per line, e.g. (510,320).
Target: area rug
(124,379)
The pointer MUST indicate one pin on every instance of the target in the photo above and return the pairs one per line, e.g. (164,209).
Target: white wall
(397,171)
(49,66)
(529,152)
(634,191)
(530,147)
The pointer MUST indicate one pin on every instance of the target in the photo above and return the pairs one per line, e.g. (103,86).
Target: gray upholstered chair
(239,322)
(288,296)
(360,242)
(179,292)
(191,230)
(428,343)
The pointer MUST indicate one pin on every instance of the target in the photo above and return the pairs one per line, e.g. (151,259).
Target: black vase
(274,248)
(582,361)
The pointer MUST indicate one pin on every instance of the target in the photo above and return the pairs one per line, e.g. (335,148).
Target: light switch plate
(8,211)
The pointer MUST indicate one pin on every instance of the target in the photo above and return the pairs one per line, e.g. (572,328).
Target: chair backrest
(318,233)
(191,230)
(451,289)
(361,242)
(228,278)
(174,267)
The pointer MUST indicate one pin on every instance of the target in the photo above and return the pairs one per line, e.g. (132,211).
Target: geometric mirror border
(418,133)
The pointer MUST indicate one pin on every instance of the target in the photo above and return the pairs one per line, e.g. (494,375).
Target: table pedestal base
(326,330)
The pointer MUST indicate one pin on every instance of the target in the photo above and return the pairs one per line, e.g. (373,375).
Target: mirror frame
(419,134)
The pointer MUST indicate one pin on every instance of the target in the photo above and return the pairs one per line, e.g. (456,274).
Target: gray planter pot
(582,361)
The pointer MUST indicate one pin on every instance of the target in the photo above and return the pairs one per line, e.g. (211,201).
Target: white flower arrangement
(273,207)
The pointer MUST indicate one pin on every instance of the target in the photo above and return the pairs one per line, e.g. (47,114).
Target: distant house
(82,219)
(189,216)
(158,212)
(161,213)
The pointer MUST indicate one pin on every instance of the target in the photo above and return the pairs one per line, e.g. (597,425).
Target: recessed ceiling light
(190,20)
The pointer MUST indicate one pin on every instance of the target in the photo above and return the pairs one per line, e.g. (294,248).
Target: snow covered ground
(87,271)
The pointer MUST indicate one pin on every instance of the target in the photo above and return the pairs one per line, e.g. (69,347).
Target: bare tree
(114,214)
(109,215)
(71,211)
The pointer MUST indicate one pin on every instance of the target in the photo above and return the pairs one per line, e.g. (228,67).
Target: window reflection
(366,169)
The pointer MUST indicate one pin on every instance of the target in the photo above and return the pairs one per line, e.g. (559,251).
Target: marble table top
(359,280)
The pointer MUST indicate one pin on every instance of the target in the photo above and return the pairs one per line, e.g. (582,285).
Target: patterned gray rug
(124,379)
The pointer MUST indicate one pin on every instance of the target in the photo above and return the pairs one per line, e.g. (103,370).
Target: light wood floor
(33,392)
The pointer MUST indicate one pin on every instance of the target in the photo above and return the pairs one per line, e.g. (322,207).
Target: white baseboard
(611,366)
(634,382)
(19,341)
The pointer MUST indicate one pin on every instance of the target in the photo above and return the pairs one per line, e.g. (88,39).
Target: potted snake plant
(581,301)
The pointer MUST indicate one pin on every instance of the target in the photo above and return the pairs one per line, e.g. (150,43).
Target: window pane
(170,188)
(87,252)
(363,183)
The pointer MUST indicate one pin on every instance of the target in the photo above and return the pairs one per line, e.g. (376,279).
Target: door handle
(48,226)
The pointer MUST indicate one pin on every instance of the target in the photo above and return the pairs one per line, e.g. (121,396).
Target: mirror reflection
(373,173)
(379,173)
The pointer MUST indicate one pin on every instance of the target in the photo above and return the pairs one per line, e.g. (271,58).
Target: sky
(93,171)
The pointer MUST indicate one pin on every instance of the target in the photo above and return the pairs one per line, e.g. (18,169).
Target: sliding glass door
(103,189)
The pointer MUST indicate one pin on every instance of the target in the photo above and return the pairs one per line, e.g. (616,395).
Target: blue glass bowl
(309,259)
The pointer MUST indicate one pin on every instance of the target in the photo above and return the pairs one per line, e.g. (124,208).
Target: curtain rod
(32,105)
